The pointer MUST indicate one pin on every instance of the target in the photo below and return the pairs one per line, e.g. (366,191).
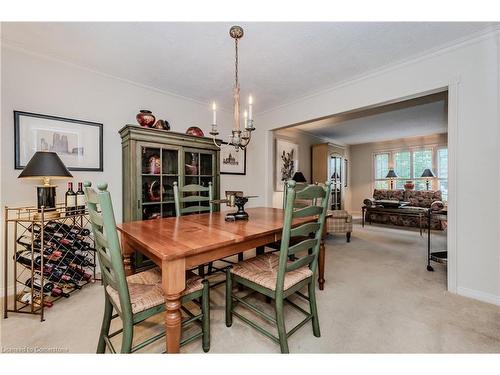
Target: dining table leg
(174,282)
(127,254)
(321,261)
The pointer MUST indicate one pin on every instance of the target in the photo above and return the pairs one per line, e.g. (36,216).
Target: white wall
(471,71)
(362,163)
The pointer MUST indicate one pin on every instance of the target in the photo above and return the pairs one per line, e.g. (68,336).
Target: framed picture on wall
(232,161)
(78,143)
(286,154)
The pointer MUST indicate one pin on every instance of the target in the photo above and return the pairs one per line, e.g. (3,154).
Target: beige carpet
(378,298)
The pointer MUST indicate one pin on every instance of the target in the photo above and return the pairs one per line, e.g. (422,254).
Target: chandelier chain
(236,63)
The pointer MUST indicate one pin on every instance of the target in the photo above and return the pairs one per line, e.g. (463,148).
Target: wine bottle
(50,251)
(46,287)
(73,230)
(76,272)
(26,298)
(29,259)
(80,199)
(70,200)
(59,275)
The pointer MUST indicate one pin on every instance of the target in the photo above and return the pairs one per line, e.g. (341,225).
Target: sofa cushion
(423,198)
(384,194)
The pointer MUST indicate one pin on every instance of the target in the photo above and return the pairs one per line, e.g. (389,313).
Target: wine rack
(48,255)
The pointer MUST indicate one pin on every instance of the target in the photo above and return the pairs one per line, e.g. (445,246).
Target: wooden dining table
(177,244)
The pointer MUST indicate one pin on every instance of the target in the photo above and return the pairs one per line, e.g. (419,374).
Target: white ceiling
(279,62)
(420,120)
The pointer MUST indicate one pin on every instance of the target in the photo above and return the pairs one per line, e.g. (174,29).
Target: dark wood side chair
(137,297)
(275,275)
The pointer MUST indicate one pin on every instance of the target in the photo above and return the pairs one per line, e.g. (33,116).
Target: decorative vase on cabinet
(152,162)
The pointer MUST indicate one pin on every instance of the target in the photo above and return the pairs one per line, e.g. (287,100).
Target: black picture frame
(17,141)
(244,162)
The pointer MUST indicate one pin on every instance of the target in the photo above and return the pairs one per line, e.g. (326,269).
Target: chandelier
(238,138)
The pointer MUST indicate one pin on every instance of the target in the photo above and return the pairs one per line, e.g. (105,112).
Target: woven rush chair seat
(263,270)
(146,291)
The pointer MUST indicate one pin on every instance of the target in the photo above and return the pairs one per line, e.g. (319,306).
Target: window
(442,171)
(381,170)
(402,167)
(410,164)
(422,159)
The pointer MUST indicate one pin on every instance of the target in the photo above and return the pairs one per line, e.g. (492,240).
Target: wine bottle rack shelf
(48,255)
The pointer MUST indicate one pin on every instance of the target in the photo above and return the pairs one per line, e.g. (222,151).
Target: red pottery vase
(196,131)
(145,118)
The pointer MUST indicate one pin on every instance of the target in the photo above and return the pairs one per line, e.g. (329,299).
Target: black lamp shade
(45,164)
(391,174)
(299,177)
(427,173)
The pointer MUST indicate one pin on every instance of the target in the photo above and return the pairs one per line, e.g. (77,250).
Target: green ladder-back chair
(140,296)
(276,246)
(277,277)
(194,200)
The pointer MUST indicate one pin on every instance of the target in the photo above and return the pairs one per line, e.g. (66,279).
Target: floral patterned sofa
(419,199)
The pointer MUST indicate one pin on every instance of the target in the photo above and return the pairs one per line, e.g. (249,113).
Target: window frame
(435,184)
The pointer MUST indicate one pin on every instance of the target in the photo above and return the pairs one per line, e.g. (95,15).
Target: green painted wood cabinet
(152,160)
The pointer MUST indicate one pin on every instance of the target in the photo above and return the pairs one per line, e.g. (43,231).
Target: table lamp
(391,175)
(299,177)
(427,174)
(46,165)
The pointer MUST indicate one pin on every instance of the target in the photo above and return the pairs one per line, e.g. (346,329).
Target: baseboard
(481,296)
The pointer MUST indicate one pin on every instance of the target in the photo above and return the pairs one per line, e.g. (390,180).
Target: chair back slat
(301,246)
(304,261)
(310,192)
(96,218)
(304,229)
(181,199)
(195,209)
(194,188)
(101,240)
(195,198)
(317,195)
(102,219)
(307,211)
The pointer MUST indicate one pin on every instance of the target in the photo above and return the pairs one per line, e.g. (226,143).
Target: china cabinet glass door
(199,169)
(159,171)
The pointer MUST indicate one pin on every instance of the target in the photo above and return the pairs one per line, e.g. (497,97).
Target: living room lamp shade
(45,165)
(299,177)
(427,174)
(391,175)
